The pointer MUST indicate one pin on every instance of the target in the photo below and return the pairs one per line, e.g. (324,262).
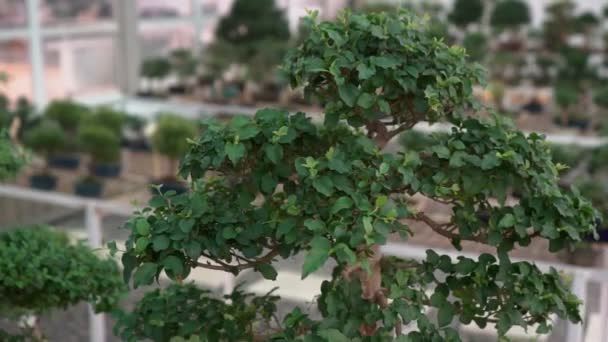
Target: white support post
(604,300)
(229,286)
(575,331)
(97,322)
(36,54)
(197,18)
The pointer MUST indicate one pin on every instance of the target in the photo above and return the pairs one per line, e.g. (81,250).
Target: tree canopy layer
(275,185)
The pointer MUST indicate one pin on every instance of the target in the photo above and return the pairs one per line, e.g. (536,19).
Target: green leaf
(441,151)
(367,224)
(186,225)
(144,274)
(489,161)
(174,265)
(345,254)
(385,62)
(160,242)
(141,244)
(465,266)
(267,271)
(366,100)
(235,152)
(314,225)
(348,94)
(193,249)
(445,314)
(142,227)
(507,221)
(274,153)
(365,71)
(316,257)
(333,335)
(341,203)
(323,185)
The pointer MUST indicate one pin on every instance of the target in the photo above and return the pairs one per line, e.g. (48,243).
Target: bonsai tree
(254,35)
(103,147)
(46,139)
(560,23)
(565,96)
(66,113)
(155,70)
(466,12)
(476,45)
(275,185)
(107,117)
(171,140)
(43,271)
(184,65)
(511,15)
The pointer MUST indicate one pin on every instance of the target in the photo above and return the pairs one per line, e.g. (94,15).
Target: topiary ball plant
(275,185)
(46,139)
(67,113)
(171,138)
(103,147)
(43,271)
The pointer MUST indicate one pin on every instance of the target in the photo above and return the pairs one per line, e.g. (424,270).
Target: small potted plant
(46,139)
(103,147)
(184,65)
(68,115)
(134,137)
(170,140)
(154,72)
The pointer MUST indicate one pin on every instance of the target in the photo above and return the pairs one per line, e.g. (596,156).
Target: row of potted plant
(66,131)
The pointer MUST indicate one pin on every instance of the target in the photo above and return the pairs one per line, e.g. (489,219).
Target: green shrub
(47,138)
(67,113)
(101,143)
(107,117)
(171,135)
(466,12)
(599,159)
(510,14)
(162,314)
(43,271)
(570,155)
(156,68)
(565,95)
(11,158)
(476,45)
(601,97)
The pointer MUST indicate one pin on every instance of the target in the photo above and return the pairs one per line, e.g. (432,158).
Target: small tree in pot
(154,71)
(171,140)
(46,139)
(12,158)
(184,65)
(103,147)
(43,271)
(68,115)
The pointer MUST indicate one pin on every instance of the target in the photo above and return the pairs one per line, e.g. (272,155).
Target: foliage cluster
(275,185)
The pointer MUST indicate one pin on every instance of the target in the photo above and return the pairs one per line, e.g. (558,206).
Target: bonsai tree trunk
(565,116)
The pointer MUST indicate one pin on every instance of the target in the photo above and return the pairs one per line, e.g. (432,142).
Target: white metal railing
(95,210)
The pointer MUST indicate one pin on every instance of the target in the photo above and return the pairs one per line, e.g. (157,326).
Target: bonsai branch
(223,266)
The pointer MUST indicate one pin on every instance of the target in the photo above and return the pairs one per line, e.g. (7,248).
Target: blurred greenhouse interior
(102,96)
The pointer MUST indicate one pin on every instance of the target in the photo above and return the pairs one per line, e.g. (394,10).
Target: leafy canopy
(275,185)
(43,271)
(466,12)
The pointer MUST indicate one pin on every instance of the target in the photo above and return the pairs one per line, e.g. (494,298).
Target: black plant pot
(68,162)
(107,170)
(43,182)
(169,185)
(88,188)
(140,145)
(178,90)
